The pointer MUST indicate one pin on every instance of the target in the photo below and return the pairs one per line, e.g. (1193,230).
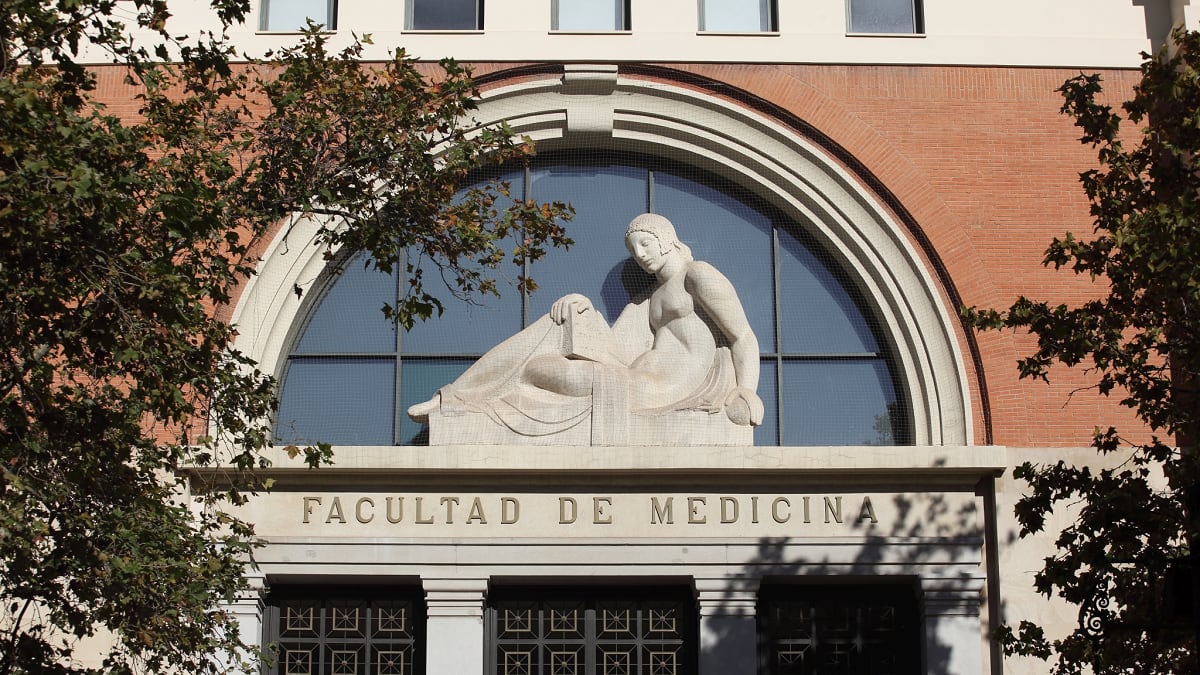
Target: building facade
(859,170)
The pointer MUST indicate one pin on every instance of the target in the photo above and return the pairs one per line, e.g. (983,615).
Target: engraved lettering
(867,512)
(510,510)
(309,504)
(335,512)
(568,510)
(729,510)
(476,513)
(358,510)
(834,509)
(661,513)
(419,519)
(449,503)
(399,510)
(600,516)
(775,510)
(473,510)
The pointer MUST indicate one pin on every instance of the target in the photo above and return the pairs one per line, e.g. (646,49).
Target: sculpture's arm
(716,295)
(572,303)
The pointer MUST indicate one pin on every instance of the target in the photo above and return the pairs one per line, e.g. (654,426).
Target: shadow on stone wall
(935,543)
(1158,21)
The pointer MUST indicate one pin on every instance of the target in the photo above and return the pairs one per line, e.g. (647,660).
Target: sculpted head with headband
(661,229)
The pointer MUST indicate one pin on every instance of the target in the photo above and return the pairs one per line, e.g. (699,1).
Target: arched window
(827,377)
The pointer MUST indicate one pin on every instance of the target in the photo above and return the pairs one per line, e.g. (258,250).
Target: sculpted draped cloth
(494,386)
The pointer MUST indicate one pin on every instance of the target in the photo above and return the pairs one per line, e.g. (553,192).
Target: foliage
(1142,340)
(120,240)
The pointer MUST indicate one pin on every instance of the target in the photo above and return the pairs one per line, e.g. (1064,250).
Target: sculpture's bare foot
(419,412)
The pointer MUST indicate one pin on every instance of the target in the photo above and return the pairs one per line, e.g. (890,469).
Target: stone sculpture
(678,368)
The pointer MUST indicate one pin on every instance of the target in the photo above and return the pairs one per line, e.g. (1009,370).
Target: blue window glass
(351,318)
(349,401)
(477,325)
(294,15)
(885,16)
(605,198)
(816,311)
(838,402)
(767,433)
(827,378)
(590,15)
(732,236)
(420,380)
(737,16)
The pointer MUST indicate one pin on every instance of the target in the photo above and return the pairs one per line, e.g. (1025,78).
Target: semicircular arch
(591,107)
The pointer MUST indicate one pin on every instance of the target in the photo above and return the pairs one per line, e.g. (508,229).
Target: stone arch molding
(590,104)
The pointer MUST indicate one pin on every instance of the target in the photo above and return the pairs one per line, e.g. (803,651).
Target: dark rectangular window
(835,629)
(591,631)
(345,631)
(885,16)
(445,15)
(293,15)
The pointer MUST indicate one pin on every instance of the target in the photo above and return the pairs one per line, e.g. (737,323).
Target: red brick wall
(986,167)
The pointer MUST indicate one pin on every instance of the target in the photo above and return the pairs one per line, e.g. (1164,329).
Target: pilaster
(728,630)
(454,645)
(247,609)
(950,612)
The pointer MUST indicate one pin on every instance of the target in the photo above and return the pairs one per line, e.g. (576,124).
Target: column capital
(727,596)
(256,588)
(951,596)
(455,597)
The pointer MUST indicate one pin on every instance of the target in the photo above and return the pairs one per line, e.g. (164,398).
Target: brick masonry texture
(987,168)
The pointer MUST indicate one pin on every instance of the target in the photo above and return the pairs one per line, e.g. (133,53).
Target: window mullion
(590,643)
(777,285)
(398,408)
(526,195)
(650,191)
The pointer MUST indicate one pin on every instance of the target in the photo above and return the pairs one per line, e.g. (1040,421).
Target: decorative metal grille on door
(839,630)
(344,636)
(556,633)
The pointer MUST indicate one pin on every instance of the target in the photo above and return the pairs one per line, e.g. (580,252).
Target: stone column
(454,630)
(728,628)
(950,610)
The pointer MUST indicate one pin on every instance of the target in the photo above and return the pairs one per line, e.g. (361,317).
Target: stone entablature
(864,464)
(632,495)
(721,519)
